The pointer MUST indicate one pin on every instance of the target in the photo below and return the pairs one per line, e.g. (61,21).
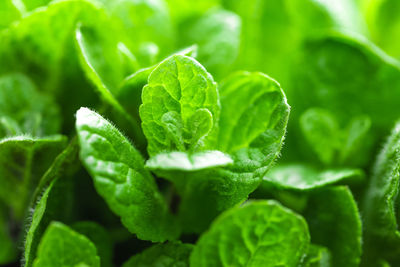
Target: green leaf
(254,115)
(61,246)
(334,221)
(333,144)
(101,59)
(42,47)
(384,24)
(217,33)
(130,90)
(33,4)
(100,238)
(187,161)
(23,160)
(180,107)
(381,219)
(317,256)
(274,30)
(303,178)
(104,65)
(322,132)
(169,254)
(358,141)
(149,24)
(347,82)
(117,169)
(23,110)
(341,15)
(9,13)
(259,233)
(55,201)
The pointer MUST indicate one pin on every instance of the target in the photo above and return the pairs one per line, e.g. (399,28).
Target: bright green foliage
(261,233)
(335,223)
(180,107)
(259,128)
(9,13)
(61,246)
(384,22)
(199,147)
(172,254)
(381,210)
(120,178)
(32,4)
(302,177)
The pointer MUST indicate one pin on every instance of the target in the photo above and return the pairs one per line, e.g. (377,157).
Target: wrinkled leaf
(259,233)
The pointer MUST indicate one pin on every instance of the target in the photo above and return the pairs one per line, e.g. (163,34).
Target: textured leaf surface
(180,107)
(61,246)
(303,177)
(334,221)
(261,233)
(254,116)
(166,255)
(117,169)
(381,209)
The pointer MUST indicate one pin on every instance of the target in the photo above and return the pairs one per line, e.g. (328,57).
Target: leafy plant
(157,133)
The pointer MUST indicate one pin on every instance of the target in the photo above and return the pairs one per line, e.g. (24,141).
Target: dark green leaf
(334,221)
